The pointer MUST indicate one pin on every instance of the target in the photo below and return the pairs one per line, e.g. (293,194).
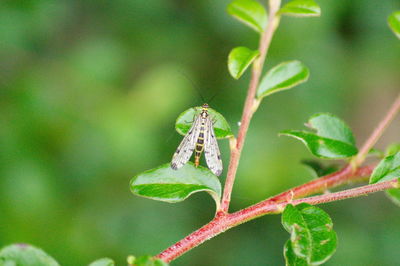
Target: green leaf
(26,255)
(318,169)
(185,120)
(291,259)
(394,23)
(103,262)
(333,140)
(165,184)
(239,60)
(387,169)
(331,127)
(312,239)
(250,12)
(301,8)
(282,77)
(149,261)
(394,195)
(392,149)
(375,153)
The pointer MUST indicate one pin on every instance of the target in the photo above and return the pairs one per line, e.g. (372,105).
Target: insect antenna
(193,86)
(213,97)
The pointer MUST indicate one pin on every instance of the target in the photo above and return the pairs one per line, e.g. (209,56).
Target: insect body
(200,137)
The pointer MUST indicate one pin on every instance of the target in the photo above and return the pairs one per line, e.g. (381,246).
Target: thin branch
(370,142)
(260,209)
(248,109)
(322,184)
(349,193)
(222,221)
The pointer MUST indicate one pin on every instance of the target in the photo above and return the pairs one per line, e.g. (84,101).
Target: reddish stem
(223,222)
(393,110)
(248,109)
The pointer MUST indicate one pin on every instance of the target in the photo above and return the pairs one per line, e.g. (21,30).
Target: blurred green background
(90,90)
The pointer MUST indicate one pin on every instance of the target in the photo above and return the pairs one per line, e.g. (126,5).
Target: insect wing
(211,149)
(186,148)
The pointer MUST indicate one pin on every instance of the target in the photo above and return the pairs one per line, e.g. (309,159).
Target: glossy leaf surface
(283,77)
(333,138)
(102,262)
(301,8)
(165,184)
(149,261)
(394,23)
(249,12)
(394,195)
(240,59)
(387,169)
(312,238)
(26,255)
(185,120)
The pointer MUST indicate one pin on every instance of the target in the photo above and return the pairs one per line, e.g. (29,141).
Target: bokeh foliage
(89,94)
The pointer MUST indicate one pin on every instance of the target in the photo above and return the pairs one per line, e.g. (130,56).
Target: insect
(200,137)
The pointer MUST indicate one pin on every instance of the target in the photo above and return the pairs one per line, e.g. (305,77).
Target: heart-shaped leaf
(394,195)
(250,12)
(103,262)
(387,169)
(394,23)
(185,120)
(333,140)
(301,8)
(26,255)
(239,60)
(282,77)
(312,239)
(165,184)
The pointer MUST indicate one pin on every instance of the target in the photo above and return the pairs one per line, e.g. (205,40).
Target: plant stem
(322,184)
(224,221)
(248,109)
(265,207)
(276,204)
(370,142)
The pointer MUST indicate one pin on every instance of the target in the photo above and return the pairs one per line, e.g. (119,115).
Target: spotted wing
(211,149)
(186,148)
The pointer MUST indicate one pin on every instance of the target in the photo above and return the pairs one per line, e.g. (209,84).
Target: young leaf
(394,23)
(250,12)
(282,77)
(27,255)
(103,262)
(394,195)
(373,152)
(333,140)
(301,8)
(239,60)
(312,239)
(221,127)
(165,184)
(149,261)
(387,169)
(392,149)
